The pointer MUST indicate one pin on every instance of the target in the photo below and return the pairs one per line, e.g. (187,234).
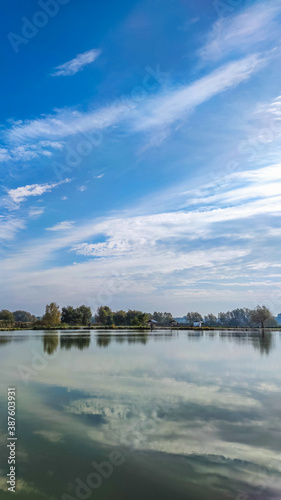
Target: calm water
(187,415)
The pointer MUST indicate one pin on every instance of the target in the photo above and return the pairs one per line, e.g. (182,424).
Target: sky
(140,154)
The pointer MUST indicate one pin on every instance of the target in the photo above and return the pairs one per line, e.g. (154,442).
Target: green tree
(52,316)
(193,317)
(168,318)
(263,317)
(223,319)
(136,318)
(143,318)
(76,316)
(104,316)
(24,317)
(67,315)
(240,317)
(85,314)
(210,320)
(162,318)
(237,317)
(158,316)
(7,315)
(119,318)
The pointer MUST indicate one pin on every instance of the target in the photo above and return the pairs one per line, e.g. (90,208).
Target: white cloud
(20,194)
(236,187)
(52,144)
(263,183)
(159,111)
(79,62)
(82,188)
(30,151)
(140,255)
(119,247)
(61,226)
(4,155)
(24,153)
(243,31)
(166,109)
(35,212)
(52,436)
(274,232)
(136,232)
(9,227)
(64,123)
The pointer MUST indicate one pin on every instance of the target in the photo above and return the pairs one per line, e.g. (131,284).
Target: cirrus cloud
(77,64)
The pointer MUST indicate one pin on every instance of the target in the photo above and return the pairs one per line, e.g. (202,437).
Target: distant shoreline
(143,328)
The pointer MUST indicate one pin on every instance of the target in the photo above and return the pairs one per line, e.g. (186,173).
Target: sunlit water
(189,415)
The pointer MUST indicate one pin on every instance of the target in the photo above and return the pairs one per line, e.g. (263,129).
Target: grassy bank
(138,328)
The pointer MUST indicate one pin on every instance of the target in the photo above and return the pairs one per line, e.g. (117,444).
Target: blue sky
(140,154)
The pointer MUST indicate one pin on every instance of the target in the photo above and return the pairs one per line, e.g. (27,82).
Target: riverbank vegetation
(79,317)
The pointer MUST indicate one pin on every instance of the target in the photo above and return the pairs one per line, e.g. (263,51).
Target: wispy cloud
(9,226)
(35,212)
(158,111)
(64,123)
(148,251)
(20,194)
(166,109)
(52,436)
(61,226)
(186,25)
(4,155)
(244,31)
(137,233)
(30,151)
(77,64)
(261,183)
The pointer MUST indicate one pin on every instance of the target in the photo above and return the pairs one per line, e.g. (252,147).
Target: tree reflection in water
(103,340)
(5,340)
(80,342)
(131,338)
(263,341)
(50,343)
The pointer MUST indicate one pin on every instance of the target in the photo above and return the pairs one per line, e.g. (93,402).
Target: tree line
(53,316)
(240,317)
(20,316)
(82,316)
(105,316)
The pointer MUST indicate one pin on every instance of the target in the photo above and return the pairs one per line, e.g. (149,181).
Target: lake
(127,415)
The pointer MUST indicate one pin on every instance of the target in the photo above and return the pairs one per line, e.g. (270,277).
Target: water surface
(194,415)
